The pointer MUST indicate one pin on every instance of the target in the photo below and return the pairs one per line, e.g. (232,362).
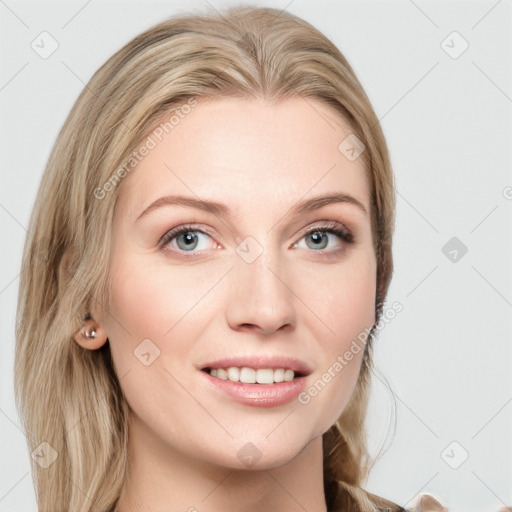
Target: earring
(89,334)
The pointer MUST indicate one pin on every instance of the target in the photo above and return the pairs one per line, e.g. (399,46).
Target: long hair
(69,399)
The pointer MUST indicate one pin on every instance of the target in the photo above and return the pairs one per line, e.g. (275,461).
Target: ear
(91,335)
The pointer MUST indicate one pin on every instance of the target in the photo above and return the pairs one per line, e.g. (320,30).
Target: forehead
(248,154)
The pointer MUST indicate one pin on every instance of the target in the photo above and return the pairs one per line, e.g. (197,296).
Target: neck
(159,476)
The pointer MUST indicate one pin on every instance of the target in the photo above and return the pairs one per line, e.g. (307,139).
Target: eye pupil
(189,237)
(317,237)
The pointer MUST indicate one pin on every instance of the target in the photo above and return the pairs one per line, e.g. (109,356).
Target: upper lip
(260,362)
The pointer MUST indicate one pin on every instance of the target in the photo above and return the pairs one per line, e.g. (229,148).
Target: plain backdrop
(438,74)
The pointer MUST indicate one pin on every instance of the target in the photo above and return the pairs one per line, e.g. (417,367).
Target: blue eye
(319,236)
(186,238)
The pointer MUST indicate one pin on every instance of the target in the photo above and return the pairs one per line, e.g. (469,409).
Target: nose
(261,297)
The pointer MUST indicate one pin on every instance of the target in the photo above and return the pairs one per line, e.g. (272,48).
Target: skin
(309,301)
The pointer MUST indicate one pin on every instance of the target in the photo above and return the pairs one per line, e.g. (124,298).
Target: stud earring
(89,334)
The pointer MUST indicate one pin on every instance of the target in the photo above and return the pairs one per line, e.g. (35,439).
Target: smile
(248,375)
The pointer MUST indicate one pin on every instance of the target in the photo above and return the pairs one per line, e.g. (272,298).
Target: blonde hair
(70,397)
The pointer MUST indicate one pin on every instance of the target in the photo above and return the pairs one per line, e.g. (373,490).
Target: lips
(300,368)
(257,395)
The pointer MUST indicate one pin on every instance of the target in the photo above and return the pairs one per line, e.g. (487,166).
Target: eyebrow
(222,210)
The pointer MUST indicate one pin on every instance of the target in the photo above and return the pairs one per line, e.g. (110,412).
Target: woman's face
(243,281)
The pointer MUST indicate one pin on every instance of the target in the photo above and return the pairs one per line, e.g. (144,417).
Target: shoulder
(354,499)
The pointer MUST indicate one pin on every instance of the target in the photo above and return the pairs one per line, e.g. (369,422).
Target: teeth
(233,374)
(252,376)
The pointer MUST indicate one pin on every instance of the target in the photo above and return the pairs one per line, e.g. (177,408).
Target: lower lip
(260,395)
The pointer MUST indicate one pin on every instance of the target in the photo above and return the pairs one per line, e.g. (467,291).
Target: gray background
(444,361)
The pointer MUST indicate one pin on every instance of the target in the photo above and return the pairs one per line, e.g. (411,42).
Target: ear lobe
(91,335)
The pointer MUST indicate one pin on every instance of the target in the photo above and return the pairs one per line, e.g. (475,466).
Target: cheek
(347,310)
(151,301)
(351,306)
(138,302)
(351,314)
(343,298)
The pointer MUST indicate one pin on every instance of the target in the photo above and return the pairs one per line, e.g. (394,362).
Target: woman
(206,262)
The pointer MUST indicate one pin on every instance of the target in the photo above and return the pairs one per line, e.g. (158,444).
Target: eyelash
(328,227)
